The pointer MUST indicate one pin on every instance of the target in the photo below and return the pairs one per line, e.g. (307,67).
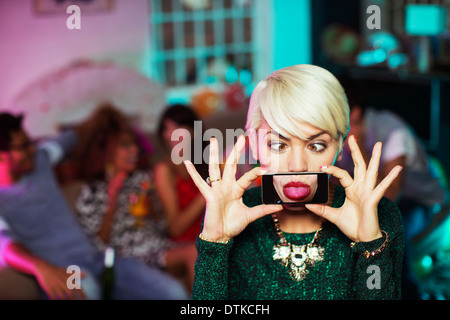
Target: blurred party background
(144,55)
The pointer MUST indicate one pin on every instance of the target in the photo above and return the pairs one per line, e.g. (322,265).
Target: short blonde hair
(300,93)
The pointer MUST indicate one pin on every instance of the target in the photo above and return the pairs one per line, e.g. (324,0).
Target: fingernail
(323,167)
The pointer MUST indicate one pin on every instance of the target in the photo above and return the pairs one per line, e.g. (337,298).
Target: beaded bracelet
(204,239)
(368,254)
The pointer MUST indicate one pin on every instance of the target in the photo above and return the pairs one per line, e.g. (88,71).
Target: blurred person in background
(416,191)
(183,203)
(41,237)
(118,205)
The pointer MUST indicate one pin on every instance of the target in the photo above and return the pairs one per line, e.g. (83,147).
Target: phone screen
(295,188)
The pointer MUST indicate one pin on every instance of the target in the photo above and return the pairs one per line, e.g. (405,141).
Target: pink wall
(33,45)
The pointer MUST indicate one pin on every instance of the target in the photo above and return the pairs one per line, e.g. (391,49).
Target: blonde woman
(349,248)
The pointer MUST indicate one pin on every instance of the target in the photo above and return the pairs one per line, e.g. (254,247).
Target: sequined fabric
(244,267)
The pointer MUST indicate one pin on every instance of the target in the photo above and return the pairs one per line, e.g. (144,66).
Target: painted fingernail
(323,167)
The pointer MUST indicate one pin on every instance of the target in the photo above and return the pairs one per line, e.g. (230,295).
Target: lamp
(382,47)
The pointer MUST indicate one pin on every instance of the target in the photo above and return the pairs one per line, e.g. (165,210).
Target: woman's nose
(297,163)
(135,148)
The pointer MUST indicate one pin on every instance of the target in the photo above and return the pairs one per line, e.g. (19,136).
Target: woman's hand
(226,215)
(114,187)
(116,184)
(358,216)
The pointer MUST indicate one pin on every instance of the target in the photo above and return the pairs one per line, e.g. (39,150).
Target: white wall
(33,45)
(291,35)
(282,34)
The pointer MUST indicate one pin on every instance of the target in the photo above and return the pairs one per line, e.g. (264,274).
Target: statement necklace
(297,258)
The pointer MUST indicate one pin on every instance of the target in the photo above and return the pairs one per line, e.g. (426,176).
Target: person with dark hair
(401,146)
(115,178)
(182,201)
(416,191)
(39,234)
(10,123)
(20,155)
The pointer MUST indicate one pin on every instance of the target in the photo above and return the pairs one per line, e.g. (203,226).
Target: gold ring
(209,181)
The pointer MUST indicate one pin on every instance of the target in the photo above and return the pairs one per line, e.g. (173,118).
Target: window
(396,9)
(210,42)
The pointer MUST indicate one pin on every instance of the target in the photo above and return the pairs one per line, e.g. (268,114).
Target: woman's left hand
(358,216)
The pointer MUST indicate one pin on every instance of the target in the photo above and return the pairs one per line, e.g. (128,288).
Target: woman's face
(278,154)
(126,155)
(21,154)
(183,135)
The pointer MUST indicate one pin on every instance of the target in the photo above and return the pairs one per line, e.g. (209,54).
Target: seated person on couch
(40,236)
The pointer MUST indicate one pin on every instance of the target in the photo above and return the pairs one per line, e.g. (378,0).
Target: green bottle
(108,274)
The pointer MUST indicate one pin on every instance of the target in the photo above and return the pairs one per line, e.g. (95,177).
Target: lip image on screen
(295,188)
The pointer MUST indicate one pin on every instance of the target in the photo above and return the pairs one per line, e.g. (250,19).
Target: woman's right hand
(116,184)
(226,214)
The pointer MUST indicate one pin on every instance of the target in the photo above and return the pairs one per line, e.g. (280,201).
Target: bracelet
(368,254)
(204,239)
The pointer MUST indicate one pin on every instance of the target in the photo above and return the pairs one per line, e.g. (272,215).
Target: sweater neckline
(308,236)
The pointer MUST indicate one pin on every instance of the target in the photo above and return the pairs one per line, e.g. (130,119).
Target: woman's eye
(277,146)
(316,147)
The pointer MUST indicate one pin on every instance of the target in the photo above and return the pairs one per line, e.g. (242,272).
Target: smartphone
(294,188)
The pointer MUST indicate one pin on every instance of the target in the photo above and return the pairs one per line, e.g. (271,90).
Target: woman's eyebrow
(271,131)
(316,135)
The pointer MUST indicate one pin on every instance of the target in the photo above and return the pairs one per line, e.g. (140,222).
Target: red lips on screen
(296,190)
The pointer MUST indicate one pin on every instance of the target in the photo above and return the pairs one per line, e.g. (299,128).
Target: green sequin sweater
(244,267)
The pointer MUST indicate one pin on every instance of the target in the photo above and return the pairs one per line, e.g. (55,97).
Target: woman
(183,203)
(297,121)
(115,180)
